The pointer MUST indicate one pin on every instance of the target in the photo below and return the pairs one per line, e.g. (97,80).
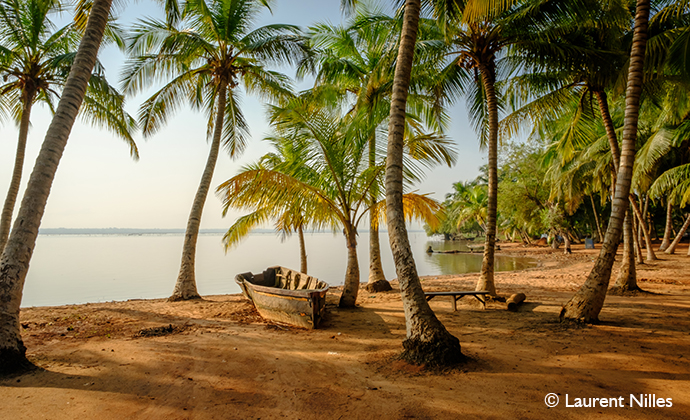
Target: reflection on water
(469,262)
(72,269)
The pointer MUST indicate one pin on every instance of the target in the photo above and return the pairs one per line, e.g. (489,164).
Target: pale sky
(98,185)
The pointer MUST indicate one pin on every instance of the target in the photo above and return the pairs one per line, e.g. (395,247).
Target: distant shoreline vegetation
(133,232)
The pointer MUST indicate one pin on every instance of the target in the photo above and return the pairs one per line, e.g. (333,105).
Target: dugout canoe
(286,296)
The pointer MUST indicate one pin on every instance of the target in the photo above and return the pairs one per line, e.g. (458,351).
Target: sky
(98,185)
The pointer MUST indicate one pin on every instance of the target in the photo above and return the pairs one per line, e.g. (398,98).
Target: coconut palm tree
(14,262)
(35,61)
(331,184)
(427,340)
(357,59)
(586,304)
(205,56)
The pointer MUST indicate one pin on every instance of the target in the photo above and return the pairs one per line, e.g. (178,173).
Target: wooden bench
(458,295)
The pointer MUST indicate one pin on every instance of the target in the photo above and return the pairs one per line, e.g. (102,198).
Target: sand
(217,359)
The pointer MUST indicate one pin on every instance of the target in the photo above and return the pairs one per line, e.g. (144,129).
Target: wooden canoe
(286,296)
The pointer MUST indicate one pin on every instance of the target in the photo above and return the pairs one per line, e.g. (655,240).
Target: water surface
(72,269)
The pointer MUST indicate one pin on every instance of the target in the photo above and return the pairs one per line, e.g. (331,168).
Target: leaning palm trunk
(13,192)
(666,241)
(627,275)
(486,278)
(428,341)
(651,256)
(586,304)
(672,248)
(185,288)
(14,263)
(351,286)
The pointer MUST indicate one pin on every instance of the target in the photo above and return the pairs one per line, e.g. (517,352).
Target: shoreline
(220,360)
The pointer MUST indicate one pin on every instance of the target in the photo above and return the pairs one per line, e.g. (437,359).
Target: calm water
(71,269)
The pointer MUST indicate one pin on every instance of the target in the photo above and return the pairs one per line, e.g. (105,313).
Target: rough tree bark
(185,287)
(586,304)
(14,262)
(427,341)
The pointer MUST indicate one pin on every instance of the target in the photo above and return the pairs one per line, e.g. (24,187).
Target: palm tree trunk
(14,262)
(586,304)
(428,341)
(15,182)
(185,288)
(627,275)
(636,241)
(486,277)
(302,250)
(666,241)
(610,129)
(645,231)
(351,286)
(377,279)
(596,218)
(672,248)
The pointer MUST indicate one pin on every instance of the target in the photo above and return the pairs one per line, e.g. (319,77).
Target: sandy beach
(216,358)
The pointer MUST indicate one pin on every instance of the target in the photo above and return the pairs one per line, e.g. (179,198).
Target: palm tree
(357,58)
(586,304)
(14,262)
(36,58)
(427,340)
(207,54)
(331,183)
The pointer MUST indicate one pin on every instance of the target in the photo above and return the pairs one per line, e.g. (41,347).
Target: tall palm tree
(586,304)
(14,262)
(207,54)
(35,61)
(358,58)
(427,340)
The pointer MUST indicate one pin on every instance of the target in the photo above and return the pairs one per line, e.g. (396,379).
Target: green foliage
(523,194)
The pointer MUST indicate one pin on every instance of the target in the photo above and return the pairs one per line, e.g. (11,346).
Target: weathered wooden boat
(284,295)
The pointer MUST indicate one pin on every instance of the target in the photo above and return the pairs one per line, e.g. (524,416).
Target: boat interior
(284,278)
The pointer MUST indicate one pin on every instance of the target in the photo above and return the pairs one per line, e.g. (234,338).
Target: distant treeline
(120,231)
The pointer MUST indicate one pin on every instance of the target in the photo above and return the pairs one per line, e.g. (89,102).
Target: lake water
(72,269)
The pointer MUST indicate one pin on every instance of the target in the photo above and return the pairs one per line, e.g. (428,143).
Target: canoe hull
(286,296)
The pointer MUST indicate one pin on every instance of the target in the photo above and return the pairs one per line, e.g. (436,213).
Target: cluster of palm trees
(376,76)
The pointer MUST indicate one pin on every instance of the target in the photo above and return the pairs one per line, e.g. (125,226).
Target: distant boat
(287,296)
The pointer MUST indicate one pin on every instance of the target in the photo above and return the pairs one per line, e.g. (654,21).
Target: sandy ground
(218,360)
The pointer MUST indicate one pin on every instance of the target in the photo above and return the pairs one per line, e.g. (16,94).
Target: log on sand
(514,300)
